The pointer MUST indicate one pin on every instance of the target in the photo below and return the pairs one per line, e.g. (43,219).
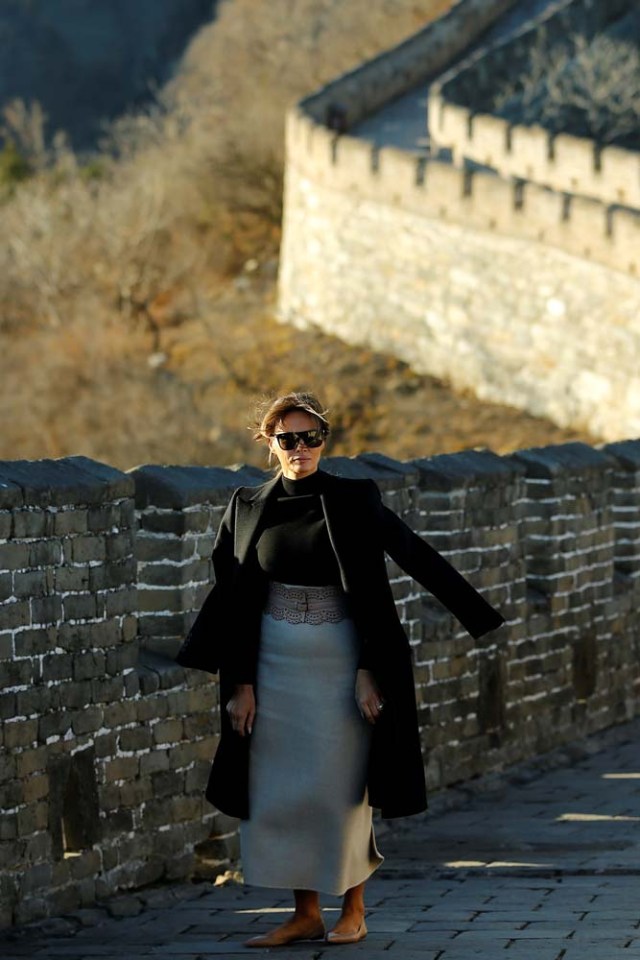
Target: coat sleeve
(201,648)
(422,562)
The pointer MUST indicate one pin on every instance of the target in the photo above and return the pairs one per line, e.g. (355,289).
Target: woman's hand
(368,697)
(242,709)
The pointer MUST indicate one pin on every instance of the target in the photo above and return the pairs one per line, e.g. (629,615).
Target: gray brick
(14,556)
(8,706)
(46,610)
(5,524)
(106,633)
(121,658)
(127,514)
(57,666)
(161,626)
(70,521)
(162,549)
(113,575)
(168,783)
(88,720)
(75,636)
(105,745)
(8,826)
(13,615)
(14,673)
(119,546)
(118,602)
(119,714)
(171,522)
(171,599)
(75,579)
(89,664)
(70,695)
(137,739)
(6,585)
(86,548)
(34,700)
(43,552)
(152,762)
(30,583)
(166,574)
(107,690)
(20,733)
(103,517)
(6,646)
(79,606)
(31,523)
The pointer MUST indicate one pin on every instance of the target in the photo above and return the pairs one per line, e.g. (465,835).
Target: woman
(320,720)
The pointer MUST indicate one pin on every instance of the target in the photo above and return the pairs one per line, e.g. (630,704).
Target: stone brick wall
(106,742)
(459,275)
(524,294)
(103,747)
(179,510)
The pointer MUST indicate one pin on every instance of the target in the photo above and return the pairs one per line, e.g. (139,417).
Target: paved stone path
(540,863)
(402,123)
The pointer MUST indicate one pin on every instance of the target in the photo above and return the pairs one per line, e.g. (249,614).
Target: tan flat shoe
(278,938)
(348,937)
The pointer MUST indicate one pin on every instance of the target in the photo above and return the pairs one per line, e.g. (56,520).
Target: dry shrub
(590,88)
(242,71)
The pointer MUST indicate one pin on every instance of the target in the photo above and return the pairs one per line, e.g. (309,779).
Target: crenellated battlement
(459,122)
(478,199)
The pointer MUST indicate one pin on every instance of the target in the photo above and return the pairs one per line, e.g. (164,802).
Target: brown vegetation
(136,288)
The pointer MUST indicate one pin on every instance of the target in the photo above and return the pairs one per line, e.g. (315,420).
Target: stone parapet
(107,742)
(478,199)
(356,94)
(178,511)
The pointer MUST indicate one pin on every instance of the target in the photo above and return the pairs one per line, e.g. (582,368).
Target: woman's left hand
(368,697)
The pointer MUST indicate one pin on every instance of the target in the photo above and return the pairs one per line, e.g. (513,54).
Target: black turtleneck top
(294,545)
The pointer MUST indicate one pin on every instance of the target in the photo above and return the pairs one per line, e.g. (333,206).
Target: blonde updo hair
(270,412)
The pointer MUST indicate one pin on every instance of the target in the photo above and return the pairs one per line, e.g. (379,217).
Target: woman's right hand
(242,709)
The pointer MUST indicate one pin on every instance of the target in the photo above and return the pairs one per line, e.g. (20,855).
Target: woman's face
(303,460)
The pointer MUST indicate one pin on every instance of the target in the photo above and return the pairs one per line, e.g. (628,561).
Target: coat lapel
(331,510)
(250,510)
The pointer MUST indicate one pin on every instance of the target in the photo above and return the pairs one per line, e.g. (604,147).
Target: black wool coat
(225,635)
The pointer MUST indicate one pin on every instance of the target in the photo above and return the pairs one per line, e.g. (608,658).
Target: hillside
(86,63)
(137,290)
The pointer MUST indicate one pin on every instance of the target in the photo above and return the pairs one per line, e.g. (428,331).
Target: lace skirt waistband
(298,604)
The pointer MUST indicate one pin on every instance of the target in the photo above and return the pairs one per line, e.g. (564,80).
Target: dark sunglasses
(310,438)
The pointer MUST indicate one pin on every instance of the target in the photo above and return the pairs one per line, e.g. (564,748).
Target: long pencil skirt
(310,823)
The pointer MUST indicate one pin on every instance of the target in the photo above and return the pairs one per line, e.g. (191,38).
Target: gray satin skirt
(309,825)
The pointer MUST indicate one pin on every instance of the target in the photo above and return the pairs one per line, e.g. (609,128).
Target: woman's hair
(270,412)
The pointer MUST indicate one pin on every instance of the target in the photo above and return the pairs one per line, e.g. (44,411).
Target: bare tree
(587,88)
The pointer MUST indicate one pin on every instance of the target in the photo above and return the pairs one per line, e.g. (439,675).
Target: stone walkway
(402,123)
(540,863)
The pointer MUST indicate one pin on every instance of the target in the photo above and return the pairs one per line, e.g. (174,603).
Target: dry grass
(102,397)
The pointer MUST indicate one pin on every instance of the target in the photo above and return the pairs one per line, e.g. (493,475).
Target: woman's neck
(307,484)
